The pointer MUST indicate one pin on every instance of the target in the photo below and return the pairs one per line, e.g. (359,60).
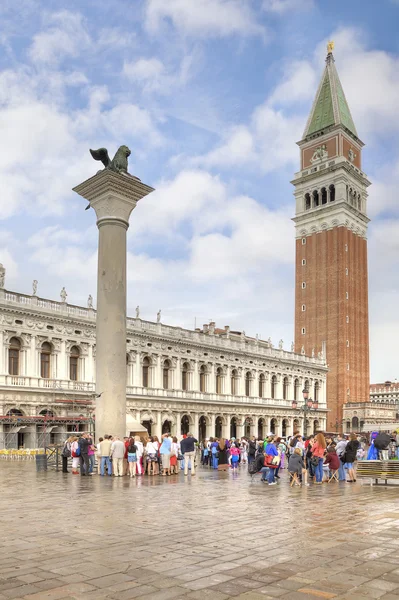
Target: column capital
(113,196)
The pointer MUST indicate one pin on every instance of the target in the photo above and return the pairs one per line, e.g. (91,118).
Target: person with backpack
(84,442)
(271,460)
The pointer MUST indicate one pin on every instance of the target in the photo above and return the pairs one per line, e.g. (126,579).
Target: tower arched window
(296,389)
(315,198)
(13,356)
(146,372)
(332,192)
(45,360)
(274,386)
(248,383)
(234,380)
(203,379)
(307,202)
(261,385)
(184,377)
(323,195)
(285,388)
(219,380)
(166,374)
(73,363)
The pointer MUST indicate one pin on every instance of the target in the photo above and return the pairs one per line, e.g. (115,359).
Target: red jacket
(332,459)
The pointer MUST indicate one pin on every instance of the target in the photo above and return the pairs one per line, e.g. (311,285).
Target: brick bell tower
(331,287)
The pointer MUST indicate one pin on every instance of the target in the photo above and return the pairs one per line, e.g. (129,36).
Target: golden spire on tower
(330,47)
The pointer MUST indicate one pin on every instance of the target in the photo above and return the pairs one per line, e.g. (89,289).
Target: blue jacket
(271,449)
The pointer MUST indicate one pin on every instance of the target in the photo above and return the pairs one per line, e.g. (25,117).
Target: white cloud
(266,144)
(281,7)
(65,36)
(202,18)
(152,76)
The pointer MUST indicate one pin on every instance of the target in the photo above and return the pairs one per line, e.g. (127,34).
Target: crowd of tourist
(315,459)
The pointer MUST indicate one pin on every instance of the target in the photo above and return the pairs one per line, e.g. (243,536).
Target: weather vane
(330,47)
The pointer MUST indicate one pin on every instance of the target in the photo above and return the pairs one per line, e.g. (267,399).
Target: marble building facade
(208,381)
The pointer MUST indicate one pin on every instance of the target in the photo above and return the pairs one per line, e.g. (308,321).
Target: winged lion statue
(118,163)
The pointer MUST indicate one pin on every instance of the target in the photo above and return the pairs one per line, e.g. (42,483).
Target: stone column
(113,197)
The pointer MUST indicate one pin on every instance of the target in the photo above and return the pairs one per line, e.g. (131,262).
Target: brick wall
(327,309)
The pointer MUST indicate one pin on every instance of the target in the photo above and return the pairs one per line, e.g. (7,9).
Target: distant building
(210,381)
(382,408)
(331,289)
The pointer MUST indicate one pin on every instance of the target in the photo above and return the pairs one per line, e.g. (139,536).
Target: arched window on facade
(316,391)
(307,202)
(274,386)
(261,385)
(45,360)
(323,195)
(234,380)
(355,424)
(285,388)
(219,380)
(203,379)
(315,198)
(13,356)
(296,389)
(306,385)
(184,377)
(166,374)
(73,363)
(146,372)
(248,383)
(332,192)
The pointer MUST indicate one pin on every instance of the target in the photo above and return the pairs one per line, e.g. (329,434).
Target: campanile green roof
(330,106)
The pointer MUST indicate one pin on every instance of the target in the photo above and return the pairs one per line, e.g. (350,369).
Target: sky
(211,96)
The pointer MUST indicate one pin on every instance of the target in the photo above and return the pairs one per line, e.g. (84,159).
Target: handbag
(314,461)
(180,457)
(66,453)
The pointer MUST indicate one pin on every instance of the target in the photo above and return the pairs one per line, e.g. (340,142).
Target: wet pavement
(215,535)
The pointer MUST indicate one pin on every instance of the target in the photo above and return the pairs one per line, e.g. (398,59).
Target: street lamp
(308,406)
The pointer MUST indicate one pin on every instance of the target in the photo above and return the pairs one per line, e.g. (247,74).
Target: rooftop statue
(118,163)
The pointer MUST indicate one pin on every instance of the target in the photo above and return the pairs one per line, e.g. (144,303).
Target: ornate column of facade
(254,425)
(158,424)
(267,392)
(211,387)
(62,371)
(157,373)
(113,196)
(195,377)
(2,355)
(241,382)
(279,386)
(279,426)
(225,427)
(212,425)
(138,381)
(240,427)
(290,395)
(177,426)
(176,375)
(89,364)
(195,431)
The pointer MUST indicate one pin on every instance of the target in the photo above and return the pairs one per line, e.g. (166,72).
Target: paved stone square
(215,535)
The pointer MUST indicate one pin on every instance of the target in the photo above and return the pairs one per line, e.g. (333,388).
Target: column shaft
(111,329)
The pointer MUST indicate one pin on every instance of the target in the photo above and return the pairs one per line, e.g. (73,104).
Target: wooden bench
(378,469)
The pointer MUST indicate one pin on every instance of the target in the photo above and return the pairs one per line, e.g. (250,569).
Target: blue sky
(211,96)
